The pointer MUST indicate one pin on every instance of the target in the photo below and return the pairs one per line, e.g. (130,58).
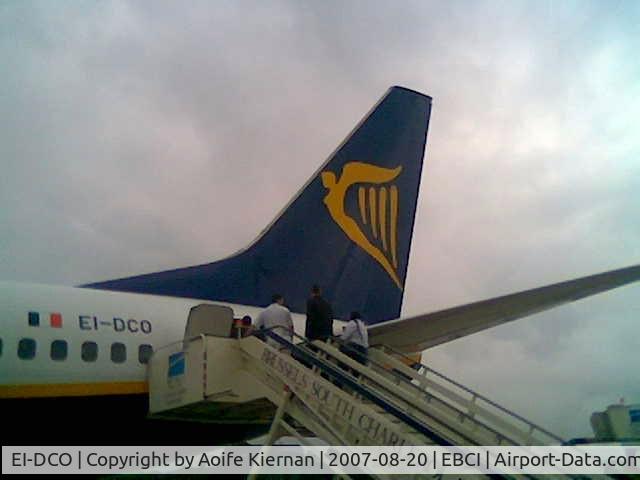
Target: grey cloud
(137,137)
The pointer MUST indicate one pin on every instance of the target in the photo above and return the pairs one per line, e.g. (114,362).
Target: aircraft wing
(418,333)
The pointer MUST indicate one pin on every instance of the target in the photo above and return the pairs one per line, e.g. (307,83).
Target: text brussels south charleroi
(304,385)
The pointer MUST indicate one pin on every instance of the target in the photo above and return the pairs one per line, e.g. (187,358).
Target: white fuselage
(33,317)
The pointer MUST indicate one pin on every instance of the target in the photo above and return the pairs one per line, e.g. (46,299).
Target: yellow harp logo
(378,206)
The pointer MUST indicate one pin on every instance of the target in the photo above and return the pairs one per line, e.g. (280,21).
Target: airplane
(81,352)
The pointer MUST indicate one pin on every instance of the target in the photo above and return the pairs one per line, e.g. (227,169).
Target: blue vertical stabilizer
(348,230)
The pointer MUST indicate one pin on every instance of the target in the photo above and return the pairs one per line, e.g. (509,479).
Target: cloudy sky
(142,136)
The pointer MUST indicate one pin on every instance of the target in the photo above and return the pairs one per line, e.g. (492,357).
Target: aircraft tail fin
(348,230)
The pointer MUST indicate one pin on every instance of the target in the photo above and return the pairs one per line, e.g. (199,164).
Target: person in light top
(356,338)
(277,317)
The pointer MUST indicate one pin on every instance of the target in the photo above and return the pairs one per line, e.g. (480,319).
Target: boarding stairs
(323,390)
(319,392)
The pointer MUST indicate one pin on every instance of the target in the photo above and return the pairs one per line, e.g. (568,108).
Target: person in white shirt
(278,318)
(356,338)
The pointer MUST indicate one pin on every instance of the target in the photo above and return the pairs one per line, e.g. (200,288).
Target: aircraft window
(27,348)
(59,350)
(144,353)
(118,352)
(89,351)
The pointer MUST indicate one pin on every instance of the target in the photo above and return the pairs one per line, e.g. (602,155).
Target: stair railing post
(275,427)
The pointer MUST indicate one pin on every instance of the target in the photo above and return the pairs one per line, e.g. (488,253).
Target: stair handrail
(530,424)
(323,365)
(458,411)
(345,380)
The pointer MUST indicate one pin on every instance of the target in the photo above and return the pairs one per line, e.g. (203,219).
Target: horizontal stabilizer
(423,331)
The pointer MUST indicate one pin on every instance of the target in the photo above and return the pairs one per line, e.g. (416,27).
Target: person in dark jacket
(319,324)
